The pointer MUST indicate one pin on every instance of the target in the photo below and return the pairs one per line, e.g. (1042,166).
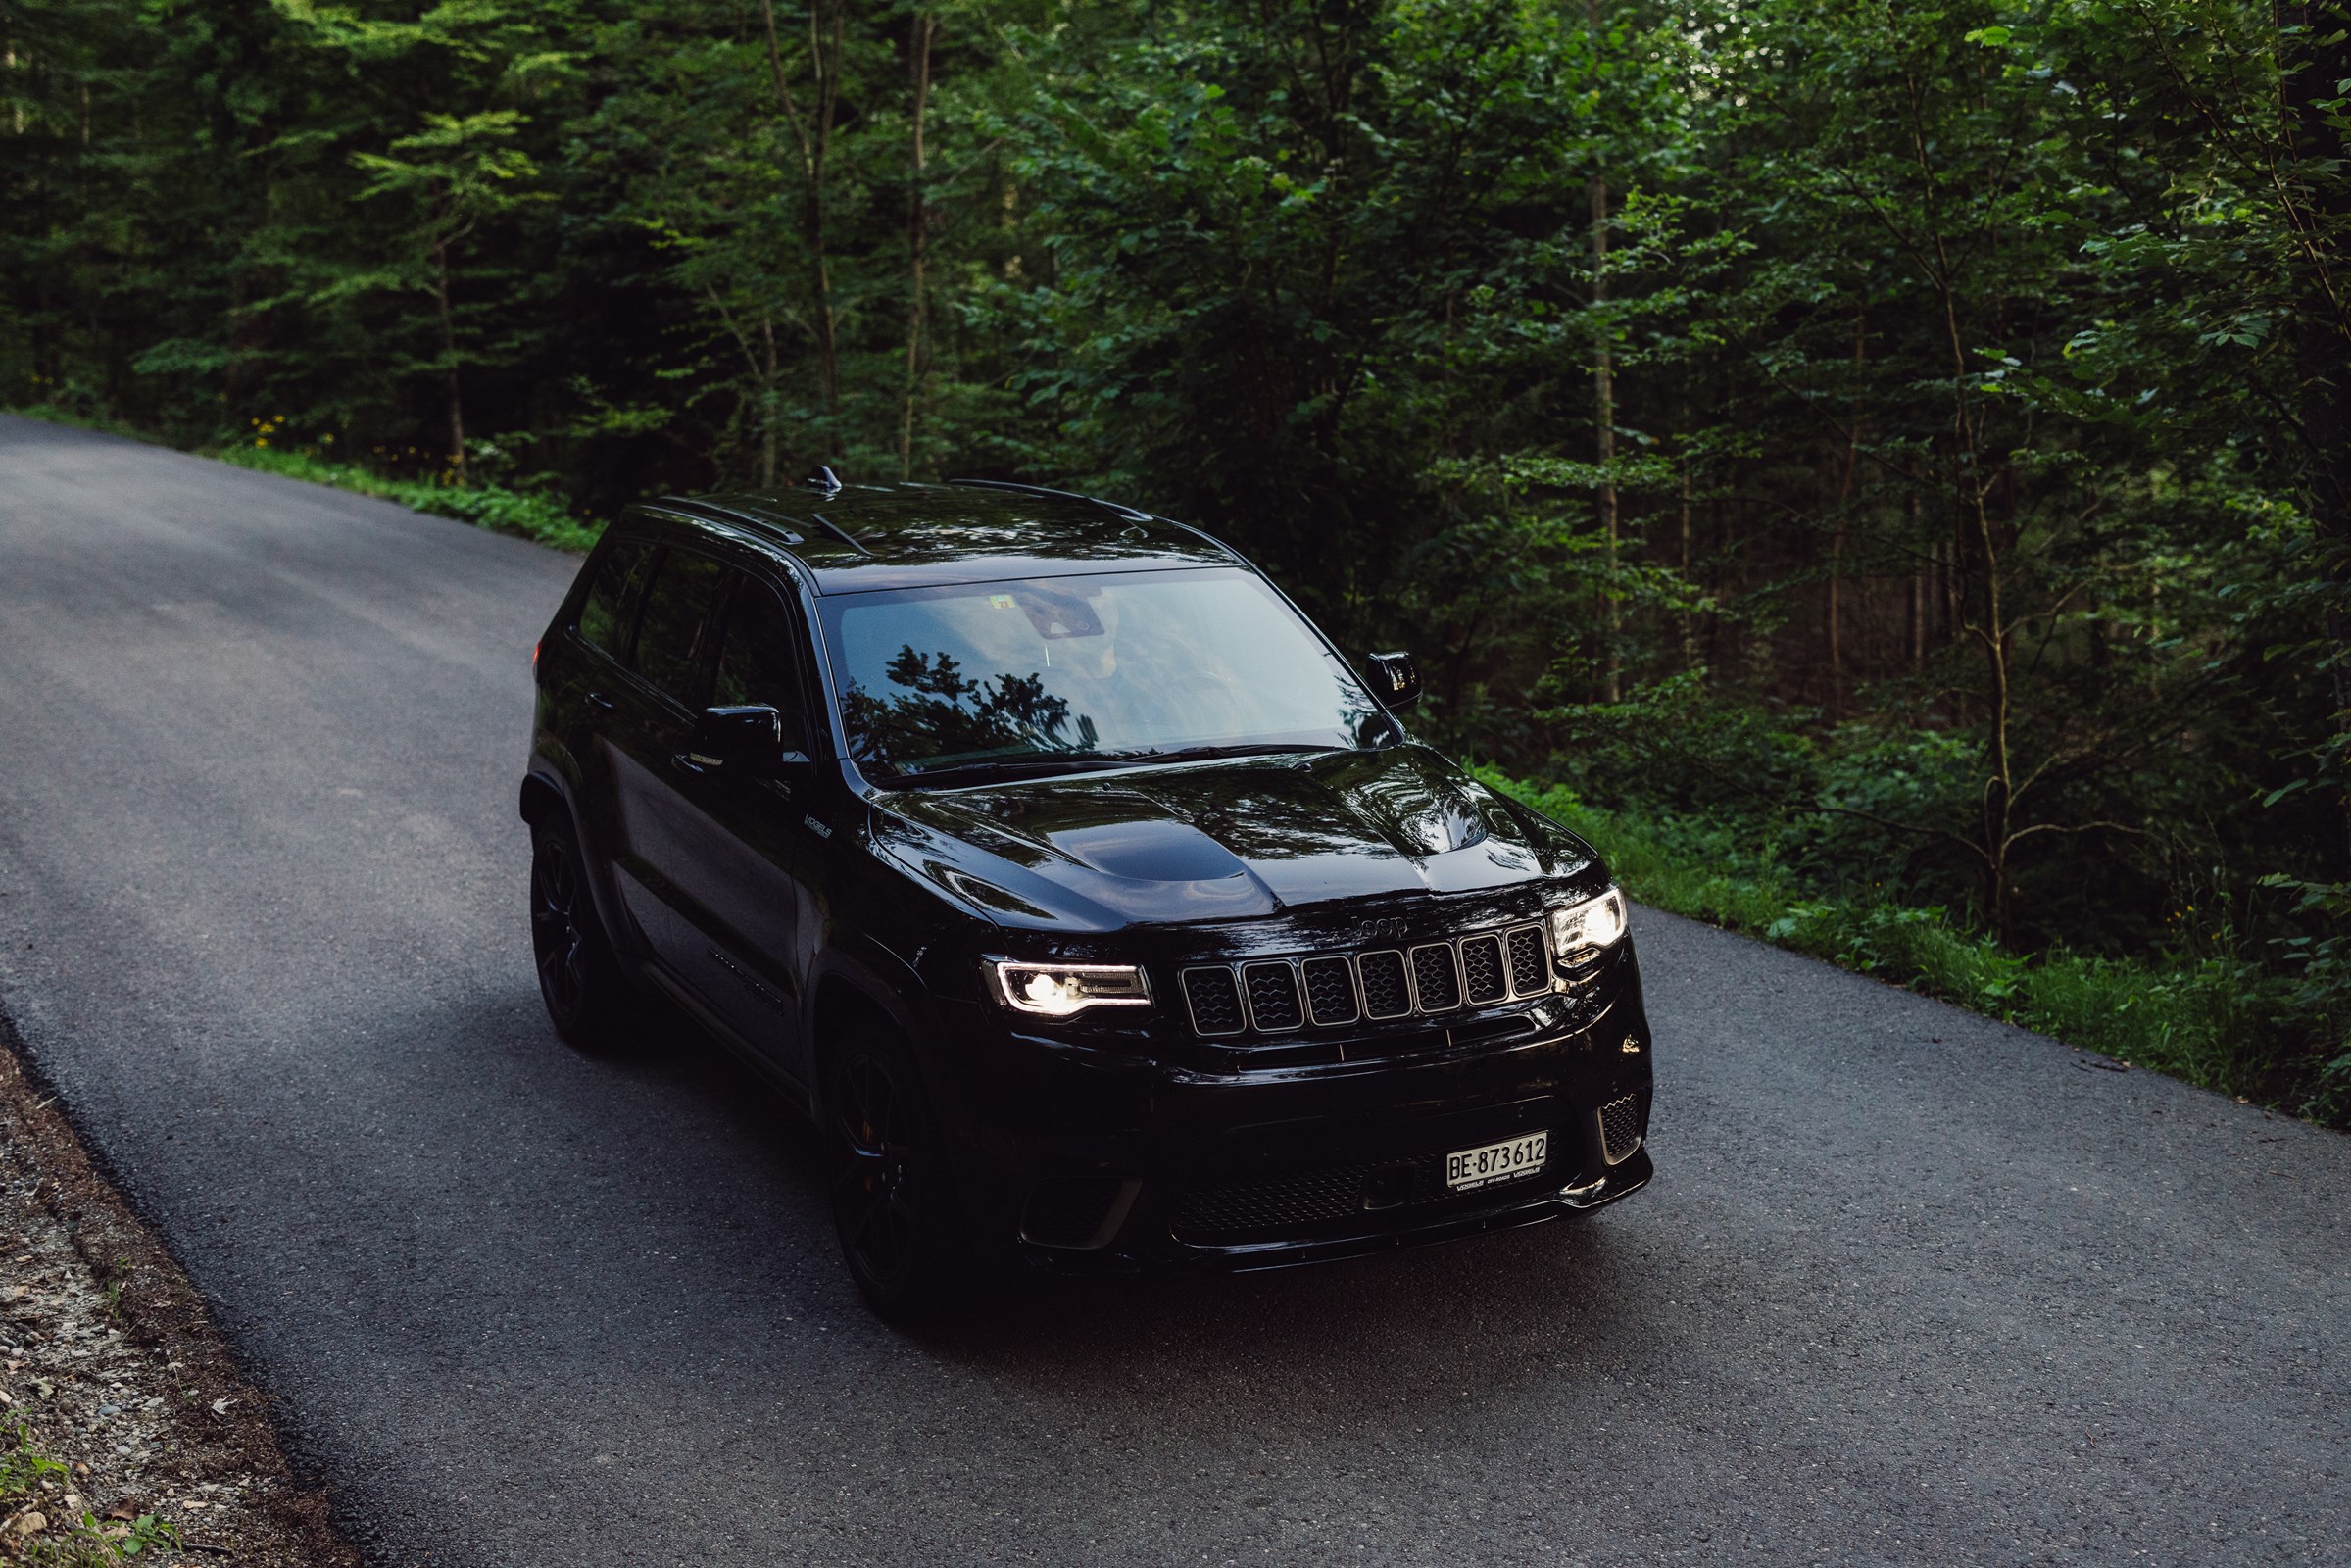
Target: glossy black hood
(1223,841)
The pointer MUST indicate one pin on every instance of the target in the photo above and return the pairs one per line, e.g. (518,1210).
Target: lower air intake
(1296,1205)
(1070,1211)
(1620,1127)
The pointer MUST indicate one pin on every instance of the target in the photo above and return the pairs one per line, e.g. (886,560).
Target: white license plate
(1496,1162)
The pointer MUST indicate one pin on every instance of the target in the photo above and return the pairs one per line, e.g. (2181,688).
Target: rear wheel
(588,996)
(892,1201)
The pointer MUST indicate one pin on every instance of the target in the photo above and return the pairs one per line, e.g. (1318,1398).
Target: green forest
(1884,472)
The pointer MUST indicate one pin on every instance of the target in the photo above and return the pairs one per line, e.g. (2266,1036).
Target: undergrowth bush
(2220,1021)
(527,513)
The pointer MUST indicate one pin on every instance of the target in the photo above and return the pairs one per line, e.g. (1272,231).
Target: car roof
(860,538)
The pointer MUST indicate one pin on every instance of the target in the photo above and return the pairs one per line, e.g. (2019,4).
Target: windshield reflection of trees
(942,715)
(1029,670)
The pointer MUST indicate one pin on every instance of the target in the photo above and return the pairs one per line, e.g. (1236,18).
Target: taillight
(534,659)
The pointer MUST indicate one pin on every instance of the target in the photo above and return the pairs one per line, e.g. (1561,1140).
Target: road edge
(160,1309)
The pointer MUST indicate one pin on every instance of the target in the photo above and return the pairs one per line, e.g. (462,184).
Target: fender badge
(1631,1046)
(817,828)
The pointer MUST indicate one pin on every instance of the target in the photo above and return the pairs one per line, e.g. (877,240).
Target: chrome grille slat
(1387,992)
(1529,961)
(1436,977)
(1330,991)
(1271,986)
(1213,998)
(1482,980)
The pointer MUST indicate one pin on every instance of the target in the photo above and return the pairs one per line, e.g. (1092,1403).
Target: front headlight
(1580,932)
(1058,989)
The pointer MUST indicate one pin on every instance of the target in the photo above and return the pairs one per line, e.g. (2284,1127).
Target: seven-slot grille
(1282,996)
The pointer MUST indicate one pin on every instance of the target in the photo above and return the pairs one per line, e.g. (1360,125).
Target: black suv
(1100,915)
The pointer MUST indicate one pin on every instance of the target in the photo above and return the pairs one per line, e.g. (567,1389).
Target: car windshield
(1046,675)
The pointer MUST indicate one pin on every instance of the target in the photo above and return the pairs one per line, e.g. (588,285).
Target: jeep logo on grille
(1371,931)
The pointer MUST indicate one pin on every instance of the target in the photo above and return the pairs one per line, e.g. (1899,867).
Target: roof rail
(711,513)
(1126,511)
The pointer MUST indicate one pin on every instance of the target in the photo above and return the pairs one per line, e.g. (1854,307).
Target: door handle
(599,700)
(686,763)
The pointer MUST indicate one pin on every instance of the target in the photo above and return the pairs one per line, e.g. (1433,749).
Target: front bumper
(1088,1160)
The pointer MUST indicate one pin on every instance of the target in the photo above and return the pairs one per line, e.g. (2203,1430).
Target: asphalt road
(1911,1286)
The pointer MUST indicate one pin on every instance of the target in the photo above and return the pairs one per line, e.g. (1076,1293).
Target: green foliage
(1889,455)
(23,1465)
(2219,1020)
(528,515)
(29,1473)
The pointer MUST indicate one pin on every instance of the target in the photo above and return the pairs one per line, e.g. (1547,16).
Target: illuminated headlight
(1581,931)
(1057,990)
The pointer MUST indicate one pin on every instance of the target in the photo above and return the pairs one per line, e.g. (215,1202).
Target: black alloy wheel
(890,1201)
(586,996)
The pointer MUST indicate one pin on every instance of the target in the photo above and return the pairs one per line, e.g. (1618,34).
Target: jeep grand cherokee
(1099,913)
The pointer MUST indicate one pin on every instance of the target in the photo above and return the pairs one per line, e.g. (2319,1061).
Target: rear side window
(669,629)
(604,617)
(759,661)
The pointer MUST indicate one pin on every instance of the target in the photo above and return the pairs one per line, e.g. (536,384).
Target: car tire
(893,1201)
(588,995)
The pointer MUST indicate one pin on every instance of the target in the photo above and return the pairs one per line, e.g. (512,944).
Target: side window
(675,608)
(759,661)
(604,616)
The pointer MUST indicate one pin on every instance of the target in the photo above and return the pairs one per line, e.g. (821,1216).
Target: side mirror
(749,741)
(1395,679)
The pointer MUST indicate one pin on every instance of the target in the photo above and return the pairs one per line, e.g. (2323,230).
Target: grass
(59,414)
(33,1481)
(2221,1022)
(526,513)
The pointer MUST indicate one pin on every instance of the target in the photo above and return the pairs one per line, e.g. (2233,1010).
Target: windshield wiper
(1196,753)
(1085,762)
(1005,767)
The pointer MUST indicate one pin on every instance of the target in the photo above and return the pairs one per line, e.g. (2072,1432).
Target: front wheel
(588,996)
(892,1201)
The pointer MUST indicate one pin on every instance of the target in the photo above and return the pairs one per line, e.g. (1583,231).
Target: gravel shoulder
(128,1432)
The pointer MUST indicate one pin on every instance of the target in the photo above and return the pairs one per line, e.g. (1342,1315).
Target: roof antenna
(824,479)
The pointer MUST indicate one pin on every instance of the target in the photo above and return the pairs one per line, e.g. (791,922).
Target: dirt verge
(126,1431)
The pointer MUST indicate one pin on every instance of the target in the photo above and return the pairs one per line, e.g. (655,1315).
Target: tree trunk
(1690,627)
(814,133)
(456,407)
(1916,626)
(1604,387)
(1837,542)
(770,383)
(917,240)
(2322,341)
